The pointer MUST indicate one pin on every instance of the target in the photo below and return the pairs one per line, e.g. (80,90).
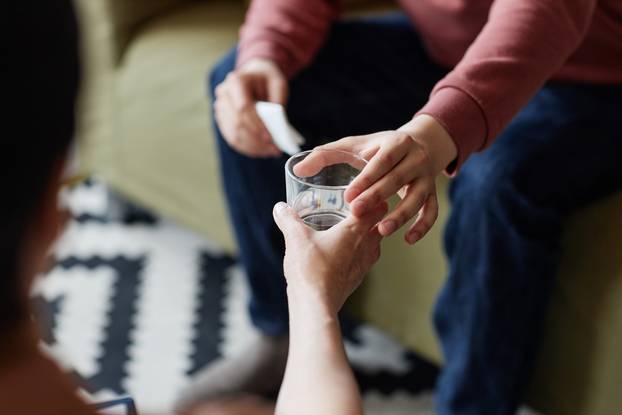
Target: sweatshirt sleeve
(289,32)
(521,46)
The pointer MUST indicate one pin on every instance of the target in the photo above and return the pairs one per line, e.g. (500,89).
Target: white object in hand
(285,136)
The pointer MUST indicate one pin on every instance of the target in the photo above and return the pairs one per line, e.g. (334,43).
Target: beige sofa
(145,128)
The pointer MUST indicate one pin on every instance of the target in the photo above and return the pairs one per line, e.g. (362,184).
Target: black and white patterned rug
(136,304)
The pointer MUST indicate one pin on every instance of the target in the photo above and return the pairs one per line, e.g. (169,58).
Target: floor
(135,304)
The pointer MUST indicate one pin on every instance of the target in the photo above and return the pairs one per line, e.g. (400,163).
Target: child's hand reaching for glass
(405,161)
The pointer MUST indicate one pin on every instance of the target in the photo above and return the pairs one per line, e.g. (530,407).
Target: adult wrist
(263,50)
(310,300)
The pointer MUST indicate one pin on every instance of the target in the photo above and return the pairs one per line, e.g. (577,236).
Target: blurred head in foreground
(41,78)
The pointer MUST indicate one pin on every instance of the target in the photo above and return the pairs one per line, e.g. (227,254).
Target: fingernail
(388,227)
(360,206)
(279,208)
(413,237)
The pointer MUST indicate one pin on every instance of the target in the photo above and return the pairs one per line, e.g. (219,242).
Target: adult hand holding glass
(329,264)
(405,161)
(322,269)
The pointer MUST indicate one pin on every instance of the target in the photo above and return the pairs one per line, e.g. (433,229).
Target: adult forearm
(287,32)
(318,378)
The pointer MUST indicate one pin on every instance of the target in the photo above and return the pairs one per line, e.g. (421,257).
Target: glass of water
(316,181)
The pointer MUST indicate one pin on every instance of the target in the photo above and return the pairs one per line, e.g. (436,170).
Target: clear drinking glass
(316,186)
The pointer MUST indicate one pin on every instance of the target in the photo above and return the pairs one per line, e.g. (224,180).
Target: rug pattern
(135,304)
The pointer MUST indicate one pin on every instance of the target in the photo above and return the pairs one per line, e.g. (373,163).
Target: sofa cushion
(163,145)
(579,368)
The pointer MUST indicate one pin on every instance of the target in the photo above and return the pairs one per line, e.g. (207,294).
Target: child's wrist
(434,139)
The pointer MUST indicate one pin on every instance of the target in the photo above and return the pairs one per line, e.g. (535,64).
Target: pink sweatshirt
(501,51)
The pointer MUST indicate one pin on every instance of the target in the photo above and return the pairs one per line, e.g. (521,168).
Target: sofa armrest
(106,28)
(119,19)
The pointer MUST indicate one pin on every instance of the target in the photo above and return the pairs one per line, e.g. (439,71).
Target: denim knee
(487,181)
(484,199)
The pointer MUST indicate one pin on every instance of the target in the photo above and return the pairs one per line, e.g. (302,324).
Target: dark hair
(41,76)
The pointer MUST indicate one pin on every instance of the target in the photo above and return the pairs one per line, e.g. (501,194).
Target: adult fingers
(238,89)
(425,221)
(253,125)
(362,225)
(382,162)
(223,116)
(240,131)
(371,246)
(242,106)
(256,126)
(408,207)
(390,184)
(289,222)
(245,142)
(277,89)
(368,249)
(240,92)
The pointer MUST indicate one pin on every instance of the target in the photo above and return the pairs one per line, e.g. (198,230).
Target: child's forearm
(318,378)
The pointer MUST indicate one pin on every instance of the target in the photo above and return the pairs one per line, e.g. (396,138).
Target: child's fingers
(407,208)
(321,157)
(366,222)
(380,164)
(390,184)
(429,214)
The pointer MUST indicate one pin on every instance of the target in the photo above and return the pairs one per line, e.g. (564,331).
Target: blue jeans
(560,152)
